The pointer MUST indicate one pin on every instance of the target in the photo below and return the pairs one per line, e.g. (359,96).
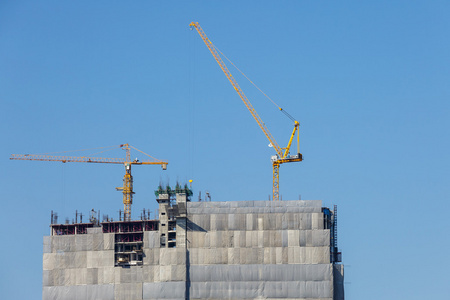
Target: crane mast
(127,188)
(282,154)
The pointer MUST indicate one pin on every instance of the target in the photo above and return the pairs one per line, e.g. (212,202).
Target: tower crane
(127,188)
(282,154)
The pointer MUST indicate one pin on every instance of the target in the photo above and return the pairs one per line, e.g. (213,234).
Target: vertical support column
(181,230)
(164,202)
(181,220)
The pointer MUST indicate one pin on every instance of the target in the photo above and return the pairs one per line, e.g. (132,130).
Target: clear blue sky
(368,81)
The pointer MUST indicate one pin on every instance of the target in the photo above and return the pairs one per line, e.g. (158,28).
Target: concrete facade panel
(234,250)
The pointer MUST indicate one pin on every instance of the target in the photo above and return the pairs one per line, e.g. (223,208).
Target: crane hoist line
(282,154)
(127,188)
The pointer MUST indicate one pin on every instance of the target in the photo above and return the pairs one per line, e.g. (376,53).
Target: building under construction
(198,250)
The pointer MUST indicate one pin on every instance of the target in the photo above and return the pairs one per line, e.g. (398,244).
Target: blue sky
(368,81)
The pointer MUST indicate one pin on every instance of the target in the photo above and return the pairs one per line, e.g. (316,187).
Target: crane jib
(127,188)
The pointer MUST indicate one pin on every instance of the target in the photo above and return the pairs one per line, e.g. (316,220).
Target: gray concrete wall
(259,249)
(225,250)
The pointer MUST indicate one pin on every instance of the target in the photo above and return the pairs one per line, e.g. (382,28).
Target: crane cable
(158,160)
(282,110)
(113,147)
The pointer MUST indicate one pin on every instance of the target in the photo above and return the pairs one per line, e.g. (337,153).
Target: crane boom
(236,86)
(127,188)
(282,153)
(86,159)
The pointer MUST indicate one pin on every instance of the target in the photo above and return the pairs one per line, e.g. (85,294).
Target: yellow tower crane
(127,188)
(282,154)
